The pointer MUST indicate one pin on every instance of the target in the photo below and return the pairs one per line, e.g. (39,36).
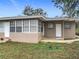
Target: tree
(39,11)
(69,7)
(29,11)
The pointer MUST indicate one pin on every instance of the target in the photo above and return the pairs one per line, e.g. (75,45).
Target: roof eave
(22,17)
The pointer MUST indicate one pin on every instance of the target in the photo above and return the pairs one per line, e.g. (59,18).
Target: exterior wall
(66,33)
(41,29)
(51,33)
(1,29)
(35,37)
(1,26)
(25,37)
(70,33)
(1,35)
(29,37)
(40,36)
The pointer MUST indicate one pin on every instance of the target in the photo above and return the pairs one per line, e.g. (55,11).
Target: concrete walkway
(61,41)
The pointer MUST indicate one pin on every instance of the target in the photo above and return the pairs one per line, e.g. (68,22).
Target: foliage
(77,31)
(39,11)
(30,11)
(77,28)
(69,7)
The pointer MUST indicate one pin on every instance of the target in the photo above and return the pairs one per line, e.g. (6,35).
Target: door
(58,31)
(6,29)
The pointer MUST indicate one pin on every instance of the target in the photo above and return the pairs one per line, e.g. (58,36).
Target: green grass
(77,30)
(14,50)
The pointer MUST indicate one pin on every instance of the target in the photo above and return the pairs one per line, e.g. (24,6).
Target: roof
(21,17)
(61,18)
(40,17)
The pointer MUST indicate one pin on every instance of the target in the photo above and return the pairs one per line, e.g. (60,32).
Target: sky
(16,7)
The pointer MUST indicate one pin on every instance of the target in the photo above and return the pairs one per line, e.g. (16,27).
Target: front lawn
(14,50)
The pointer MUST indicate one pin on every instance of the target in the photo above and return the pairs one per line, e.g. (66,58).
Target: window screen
(19,26)
(33,25)
(26,26)
(12,26)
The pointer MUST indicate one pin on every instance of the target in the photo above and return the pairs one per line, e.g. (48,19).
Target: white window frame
(22,25)
(29,26)
(37,26)
(36,29)
(15,25)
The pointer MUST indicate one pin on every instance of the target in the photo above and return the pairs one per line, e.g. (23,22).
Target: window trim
(22,25)
(29,26)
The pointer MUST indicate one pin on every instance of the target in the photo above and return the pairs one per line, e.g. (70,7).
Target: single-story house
(32,29)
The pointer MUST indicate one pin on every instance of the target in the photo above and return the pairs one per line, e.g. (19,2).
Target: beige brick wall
(1,35)
(51,33)
(66,33)
(36,37)
(70,33)
(25,37)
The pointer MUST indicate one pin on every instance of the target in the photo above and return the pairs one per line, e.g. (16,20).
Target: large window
(12,26)
(26,26)
(33,25)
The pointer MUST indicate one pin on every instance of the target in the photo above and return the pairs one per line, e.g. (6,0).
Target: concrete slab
(61,41)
